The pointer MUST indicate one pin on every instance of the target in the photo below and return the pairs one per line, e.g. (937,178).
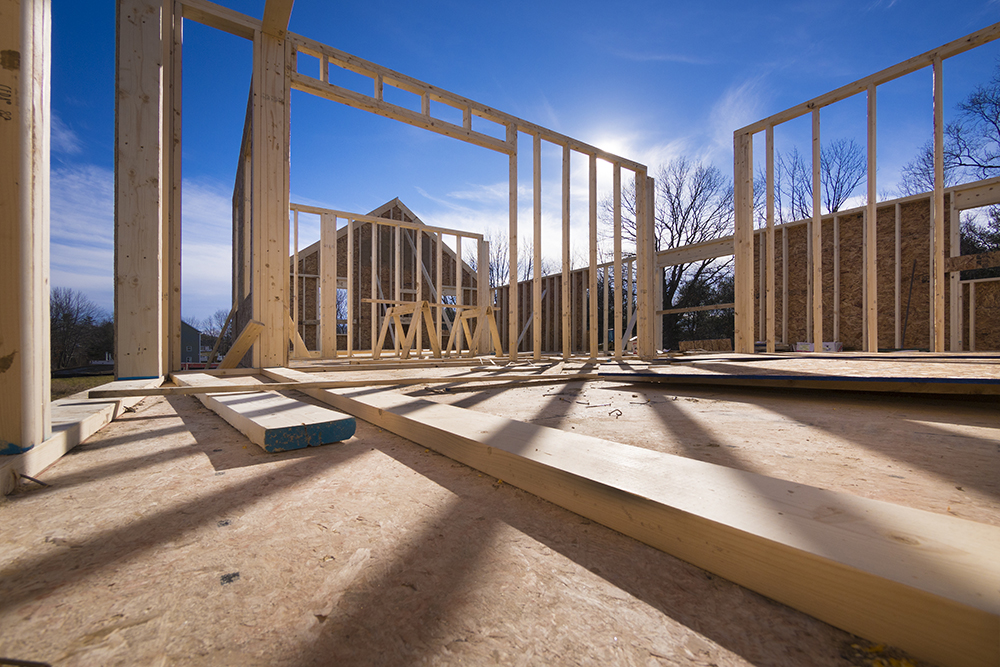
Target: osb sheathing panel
(987,315)
(915,235)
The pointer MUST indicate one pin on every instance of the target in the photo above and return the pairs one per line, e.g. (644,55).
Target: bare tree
(212,328)
(843,166)
(974,137)
(694,204)
(918,174)
(73,320)
(499,269)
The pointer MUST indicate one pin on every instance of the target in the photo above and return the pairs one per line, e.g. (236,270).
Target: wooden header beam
(425,90)
(915,63)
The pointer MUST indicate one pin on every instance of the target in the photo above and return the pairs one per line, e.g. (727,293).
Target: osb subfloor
(169,539)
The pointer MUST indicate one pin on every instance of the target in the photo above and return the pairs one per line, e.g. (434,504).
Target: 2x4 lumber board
(357,100)
(743,243)
(350,287)
(512,291)
(616,198)
(139,191)
(646,271)
(221,18)
(836,277)
(274,422)
(201,386)
(983,193)
(25,34)
(985,260)
(897,302)
(73,421)
(937,337)
(961,45)
(769,205)
(564,283)
(276,16)
(270,199)
(172,140)
(695,309)
(536,248)
(894,385)
(242,344)
(954,287)
(924,582)
(816,237)
(871,229)
(328,285)
(428,91)
(592,269)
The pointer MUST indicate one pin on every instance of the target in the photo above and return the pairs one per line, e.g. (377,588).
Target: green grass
(62,387)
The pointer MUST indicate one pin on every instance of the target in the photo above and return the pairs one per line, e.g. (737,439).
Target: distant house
(190,344)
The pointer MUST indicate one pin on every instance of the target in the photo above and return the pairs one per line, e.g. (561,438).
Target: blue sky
(647,80)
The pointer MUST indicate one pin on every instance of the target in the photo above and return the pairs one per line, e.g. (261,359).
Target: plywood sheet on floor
(168,538)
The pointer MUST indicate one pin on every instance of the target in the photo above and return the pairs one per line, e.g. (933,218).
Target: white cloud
(82,231)
(739,105)
(63,139)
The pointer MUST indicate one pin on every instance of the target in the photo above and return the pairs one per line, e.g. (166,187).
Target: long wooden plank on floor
(777,380)
(223,387)
(275,422)
(74,419)
(928,583)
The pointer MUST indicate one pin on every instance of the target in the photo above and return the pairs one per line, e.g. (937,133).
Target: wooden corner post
(140,190)
(270,195)
(743,255)
(25,37)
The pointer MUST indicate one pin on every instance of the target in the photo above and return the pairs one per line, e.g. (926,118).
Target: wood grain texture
(274,422)
(139,195)
(924,582)
(74,420)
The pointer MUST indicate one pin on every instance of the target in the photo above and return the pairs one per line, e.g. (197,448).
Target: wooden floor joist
(275,422)
(924,582)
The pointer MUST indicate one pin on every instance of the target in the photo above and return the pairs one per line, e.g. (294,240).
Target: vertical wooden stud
(743,243)
(784,284)
(592,270)
(769,287)
(25,32)
(536,282)
(373,287)
(871,230)
(817,240)
(172,87)
(512,310)
(616,196)
(139,191)
(295,269)
(328,285)
(898,280)
(459,291)
(439,281)
(351,293)
(937,328)
(836,277)
(564,283)
(270,199)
